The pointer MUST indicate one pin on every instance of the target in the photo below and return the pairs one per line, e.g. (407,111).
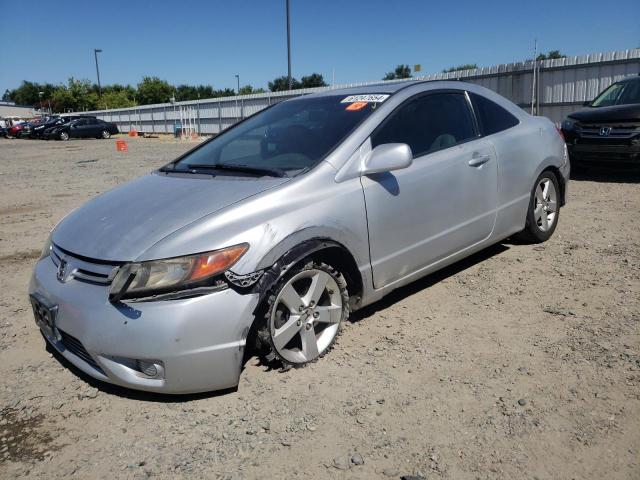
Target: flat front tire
(305,313)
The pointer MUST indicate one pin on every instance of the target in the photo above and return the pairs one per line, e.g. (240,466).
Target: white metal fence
(563,86)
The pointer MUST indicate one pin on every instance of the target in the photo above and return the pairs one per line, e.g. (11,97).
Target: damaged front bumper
(169,346)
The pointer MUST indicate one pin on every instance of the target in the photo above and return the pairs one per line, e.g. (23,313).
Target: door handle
(476,161)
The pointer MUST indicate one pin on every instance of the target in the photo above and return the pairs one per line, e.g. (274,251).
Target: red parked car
(15,130)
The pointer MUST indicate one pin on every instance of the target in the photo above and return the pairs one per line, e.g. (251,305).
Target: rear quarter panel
(523,152)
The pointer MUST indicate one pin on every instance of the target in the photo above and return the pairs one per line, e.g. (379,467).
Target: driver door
(444,202)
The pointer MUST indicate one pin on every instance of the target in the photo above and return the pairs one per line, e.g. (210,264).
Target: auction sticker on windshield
(374,98)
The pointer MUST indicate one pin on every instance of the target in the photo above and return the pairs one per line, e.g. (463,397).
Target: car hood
(615,113)
(121,224)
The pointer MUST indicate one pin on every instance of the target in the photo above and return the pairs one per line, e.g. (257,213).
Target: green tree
(552,54)
(248,90)
(153,90)
(227,92)
(28,93)
(466,66)
(312,81)
(205,91)
(83,94)
(62,100)
(281,84)
(116,99)
(401,71)
(186,92)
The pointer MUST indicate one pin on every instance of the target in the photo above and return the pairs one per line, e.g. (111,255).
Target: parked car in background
(81,127)
(279,227)
(29,125)
(39,130)
(15,131)
(608,130)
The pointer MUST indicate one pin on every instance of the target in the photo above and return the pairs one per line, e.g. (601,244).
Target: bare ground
(520,362)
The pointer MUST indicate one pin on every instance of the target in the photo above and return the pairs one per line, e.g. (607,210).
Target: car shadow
(426,282)
(604,173)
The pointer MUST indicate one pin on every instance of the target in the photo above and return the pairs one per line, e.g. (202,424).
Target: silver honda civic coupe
(271,233)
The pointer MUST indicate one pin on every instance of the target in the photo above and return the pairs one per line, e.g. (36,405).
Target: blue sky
(211,41)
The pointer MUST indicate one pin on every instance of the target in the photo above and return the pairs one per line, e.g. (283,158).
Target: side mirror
(388,157)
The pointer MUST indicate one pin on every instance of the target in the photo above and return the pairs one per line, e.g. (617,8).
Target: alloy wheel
(546,204)
(306,316)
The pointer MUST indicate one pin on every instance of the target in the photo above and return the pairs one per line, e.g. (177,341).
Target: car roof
(382,87)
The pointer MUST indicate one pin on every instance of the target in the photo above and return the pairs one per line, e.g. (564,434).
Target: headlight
(144,279)
(568,124)
(46,250)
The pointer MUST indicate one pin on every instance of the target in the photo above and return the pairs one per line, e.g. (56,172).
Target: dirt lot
(521,362)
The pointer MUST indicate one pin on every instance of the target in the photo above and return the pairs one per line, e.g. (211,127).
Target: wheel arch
(321,249)
(561,181)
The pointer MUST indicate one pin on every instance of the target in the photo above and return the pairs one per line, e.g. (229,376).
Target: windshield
(622,93)
(288,137)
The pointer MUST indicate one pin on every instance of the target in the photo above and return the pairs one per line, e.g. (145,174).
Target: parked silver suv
(279,227)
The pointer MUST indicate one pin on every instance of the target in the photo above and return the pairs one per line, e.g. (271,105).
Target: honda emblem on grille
(62,270)
(605,131)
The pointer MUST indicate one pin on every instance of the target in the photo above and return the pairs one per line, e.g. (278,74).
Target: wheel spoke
(539,194)
(545,221)
(290,298)
(309,343)
(545,189)
(537,213)
(284,334)
(329,313)
(318,284)
(552,206)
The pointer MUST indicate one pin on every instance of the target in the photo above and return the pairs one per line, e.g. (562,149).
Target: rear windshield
(290,136)
(622,93)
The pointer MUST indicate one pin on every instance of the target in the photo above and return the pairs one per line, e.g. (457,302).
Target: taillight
(561,133)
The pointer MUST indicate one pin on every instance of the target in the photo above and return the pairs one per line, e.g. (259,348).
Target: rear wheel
(305,314)
(544,209)
(105,134)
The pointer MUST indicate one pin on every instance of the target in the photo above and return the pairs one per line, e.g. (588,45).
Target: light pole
(238,93)
(289,47)
(96,51)
(40,94)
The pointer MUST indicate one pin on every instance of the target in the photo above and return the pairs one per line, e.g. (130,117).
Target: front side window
(428,123)
(492,117)
(288,137)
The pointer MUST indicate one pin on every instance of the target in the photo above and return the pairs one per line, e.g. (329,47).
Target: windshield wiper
(232,167)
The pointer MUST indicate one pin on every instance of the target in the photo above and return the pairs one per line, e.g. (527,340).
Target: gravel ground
(520,362)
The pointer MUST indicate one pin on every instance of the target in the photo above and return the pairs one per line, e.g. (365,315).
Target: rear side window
(492,117)
(428,123)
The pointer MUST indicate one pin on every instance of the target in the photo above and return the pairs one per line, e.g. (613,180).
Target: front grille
(75,346)
(618,131)
(82,269)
